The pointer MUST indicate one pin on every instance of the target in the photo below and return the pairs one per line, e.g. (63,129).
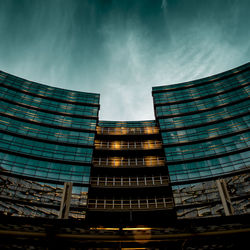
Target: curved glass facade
(49,119)
(46,133)
(205,125)
(45,104)
(47,138)
(207,132)
(197,146)
(41,90)
(214,102)
(226,76)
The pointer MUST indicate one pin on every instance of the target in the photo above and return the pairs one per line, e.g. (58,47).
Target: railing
(127,131)
(129,181)
(140,204)
(128,145)
(122,162)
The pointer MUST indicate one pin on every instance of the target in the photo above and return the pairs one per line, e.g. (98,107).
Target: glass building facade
(126,171)
(205,132)
(47,138)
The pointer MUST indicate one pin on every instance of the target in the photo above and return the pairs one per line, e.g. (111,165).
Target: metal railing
(128,145)
(127,131)
(122,162)
(147,181)
(134,204)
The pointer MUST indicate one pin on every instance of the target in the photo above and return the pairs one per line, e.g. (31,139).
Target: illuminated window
(115,145)
(115,161)
(124,131)
(99,130)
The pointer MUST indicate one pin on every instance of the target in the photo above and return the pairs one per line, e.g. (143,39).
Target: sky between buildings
(121,48)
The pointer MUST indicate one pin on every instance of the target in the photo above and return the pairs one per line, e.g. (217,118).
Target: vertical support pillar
(130,216)
(224,196)
(65,202)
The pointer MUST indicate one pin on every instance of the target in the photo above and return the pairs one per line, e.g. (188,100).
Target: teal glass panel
(133,124)
(192,91)
(41,103)
(43,90)
(44,169)
(45,150)
(205,117)
(230,74)
(208,148)
(47,118)
(209,168)
(201,105)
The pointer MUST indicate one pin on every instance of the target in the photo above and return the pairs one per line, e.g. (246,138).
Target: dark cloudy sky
(121,48)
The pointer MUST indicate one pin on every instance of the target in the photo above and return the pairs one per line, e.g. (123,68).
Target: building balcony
(132,204)
(122,162)
(127,131)
(129,182)
(128,145)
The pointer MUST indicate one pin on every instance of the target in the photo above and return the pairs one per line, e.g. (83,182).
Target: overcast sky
(121,48)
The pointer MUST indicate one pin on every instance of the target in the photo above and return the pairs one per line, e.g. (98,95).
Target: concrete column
(224,196)
(65,202)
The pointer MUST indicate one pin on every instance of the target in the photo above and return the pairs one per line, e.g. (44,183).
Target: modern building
(58,160)
(47,139)
(129,177)
(205,132)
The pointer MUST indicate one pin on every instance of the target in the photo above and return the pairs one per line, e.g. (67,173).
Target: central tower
(130,182)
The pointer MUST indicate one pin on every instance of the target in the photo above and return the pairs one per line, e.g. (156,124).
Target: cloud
(164,4)
(121,48)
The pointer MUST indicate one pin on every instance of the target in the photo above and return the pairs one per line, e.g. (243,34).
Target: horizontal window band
(127,124)
(50,98)
(40,204)
(202,204)
(137,168)
(209,178)
(203,110)
(128,170)
(202,97)
(48,125)
(40,158)
(139,148)
(30,203)
(48,141)
(206,157)
(48,111)
(126,153)
(205,124)
(166,145)
(128,137)
(205,81)
(39,179)
(47,105)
